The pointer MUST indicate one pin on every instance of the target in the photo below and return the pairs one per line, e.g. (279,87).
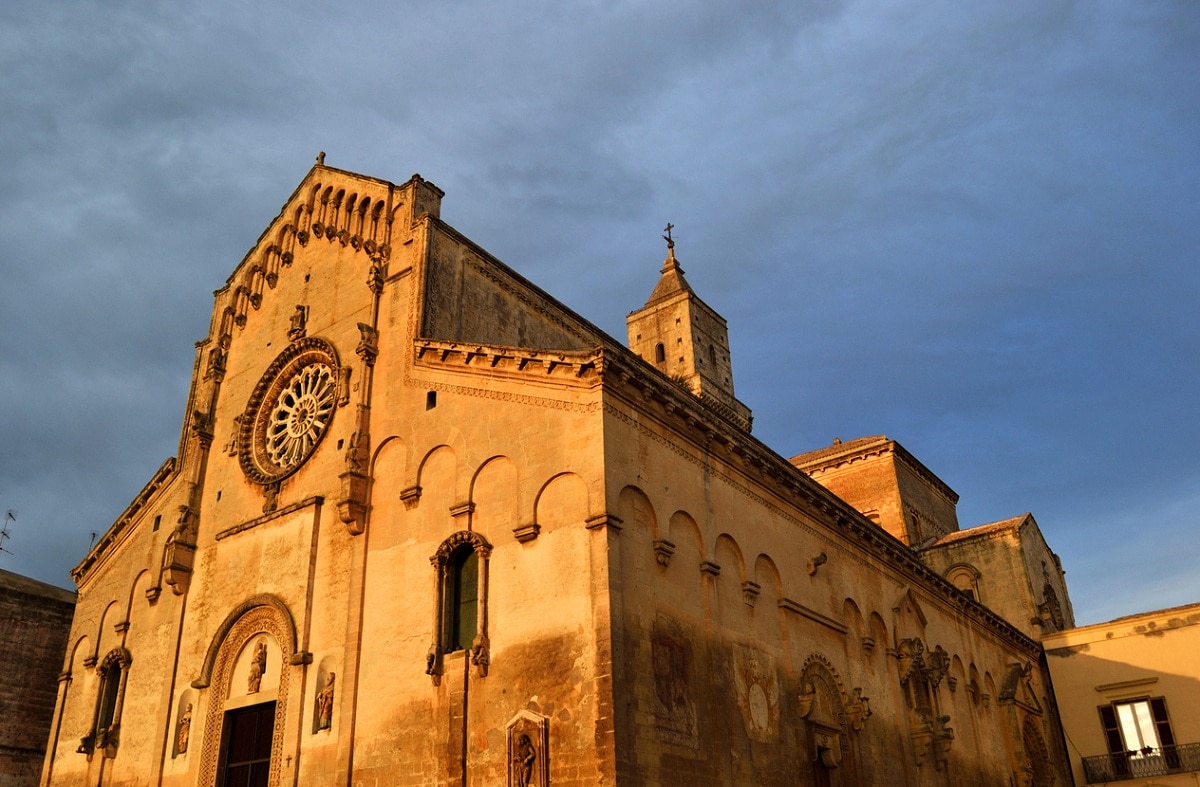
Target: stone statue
(523,760)
(299,321)
(325,704)
(185,730)
(257,667)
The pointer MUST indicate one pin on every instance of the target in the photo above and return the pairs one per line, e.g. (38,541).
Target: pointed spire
(672,281)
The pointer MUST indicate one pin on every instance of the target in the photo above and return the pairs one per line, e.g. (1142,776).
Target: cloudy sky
(972,227)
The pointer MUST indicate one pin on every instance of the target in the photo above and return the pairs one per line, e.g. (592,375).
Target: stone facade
(35,619)
(1128,691)
(428,526)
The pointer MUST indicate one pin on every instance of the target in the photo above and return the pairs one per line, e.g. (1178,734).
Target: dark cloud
(969,228)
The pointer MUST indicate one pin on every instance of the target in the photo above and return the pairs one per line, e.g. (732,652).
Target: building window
(660,353)
(1138,733)
(966,579)
(460,610)
(106,721)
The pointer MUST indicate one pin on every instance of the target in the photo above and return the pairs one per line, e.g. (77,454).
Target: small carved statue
(325,704)
(185,730)
(354,451)
(523,759)
(299,322)
(257,667)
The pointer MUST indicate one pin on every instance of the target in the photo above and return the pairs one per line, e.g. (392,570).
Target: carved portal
(528,750)
(217,680)
(830,714)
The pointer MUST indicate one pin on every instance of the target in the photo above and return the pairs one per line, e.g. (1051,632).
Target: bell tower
(682,337)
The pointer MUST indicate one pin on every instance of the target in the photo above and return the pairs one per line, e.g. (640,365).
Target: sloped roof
(837,449)
(982,530)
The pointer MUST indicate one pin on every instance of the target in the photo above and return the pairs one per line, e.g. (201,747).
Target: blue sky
(971,227)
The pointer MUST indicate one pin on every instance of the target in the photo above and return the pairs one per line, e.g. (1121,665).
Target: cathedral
(428,526)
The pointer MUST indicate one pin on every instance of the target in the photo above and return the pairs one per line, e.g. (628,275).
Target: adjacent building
(1128,690)
(35,620)
(426,525)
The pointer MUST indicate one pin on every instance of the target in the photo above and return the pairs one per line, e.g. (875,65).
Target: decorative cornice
(160,478)
(580,369)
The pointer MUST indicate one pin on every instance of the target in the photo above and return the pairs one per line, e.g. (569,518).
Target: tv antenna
(9,516)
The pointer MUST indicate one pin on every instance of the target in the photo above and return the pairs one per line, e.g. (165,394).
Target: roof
(671,282)
(980,531)
(837,449)
(32,587)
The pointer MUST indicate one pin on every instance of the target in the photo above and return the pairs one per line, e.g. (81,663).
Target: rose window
(300,415)
(289,412)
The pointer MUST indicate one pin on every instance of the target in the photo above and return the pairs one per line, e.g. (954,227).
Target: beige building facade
(428,526)
(1128,691)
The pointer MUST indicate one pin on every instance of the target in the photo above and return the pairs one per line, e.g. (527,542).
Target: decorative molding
(410,496)
(580,369)
(610,521)
(527,533)
(316,500)
(816,617)
(663,550)
(164,473)
(710,568)
(750,591)
(459,510)
(1126,684)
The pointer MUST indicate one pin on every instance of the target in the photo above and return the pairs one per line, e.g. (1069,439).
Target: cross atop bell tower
(682,337)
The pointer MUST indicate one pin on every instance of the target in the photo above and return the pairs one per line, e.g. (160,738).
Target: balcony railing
(1141,764)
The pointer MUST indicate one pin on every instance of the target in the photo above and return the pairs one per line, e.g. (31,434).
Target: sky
(971,227)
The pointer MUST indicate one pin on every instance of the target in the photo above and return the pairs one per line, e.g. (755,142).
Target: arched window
(460,610)
(106,722)
(966,578)
(660,353)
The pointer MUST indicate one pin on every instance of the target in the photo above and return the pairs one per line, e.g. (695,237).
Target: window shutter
(1112,732)
(1158,707)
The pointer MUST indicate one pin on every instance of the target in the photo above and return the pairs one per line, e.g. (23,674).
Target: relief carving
(528,737)
(674,709)
(919,677)
(755,679)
